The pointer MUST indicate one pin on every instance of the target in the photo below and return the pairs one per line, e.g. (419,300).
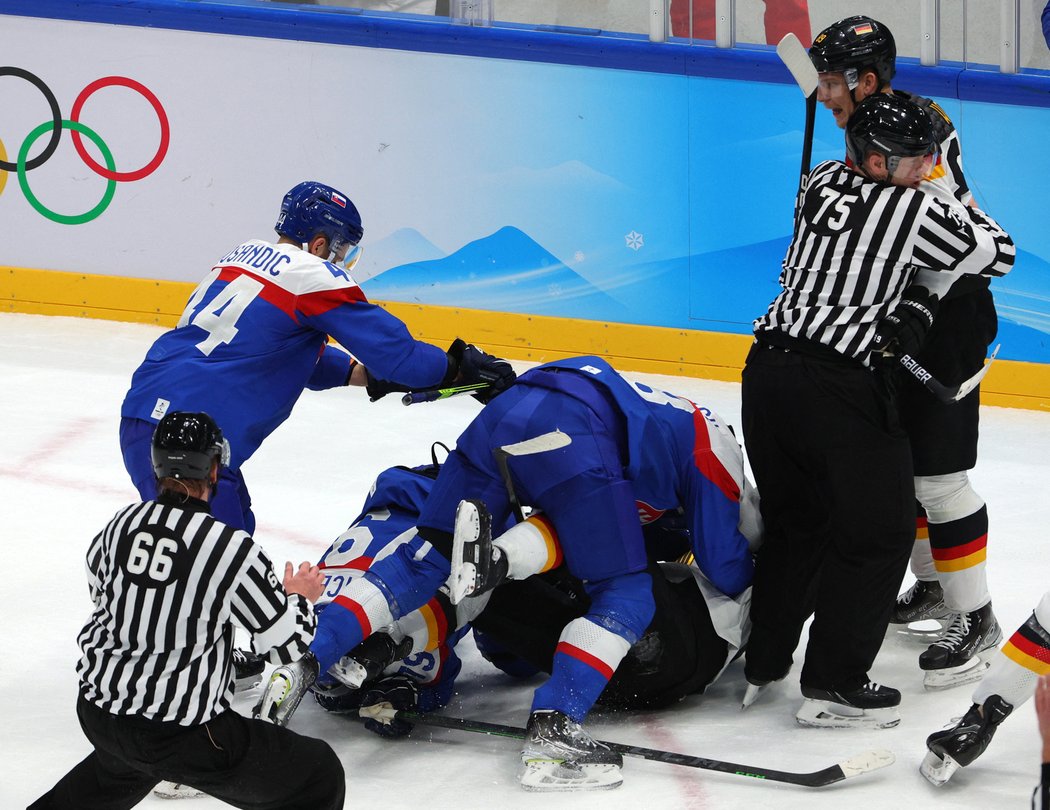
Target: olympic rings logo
(23,164)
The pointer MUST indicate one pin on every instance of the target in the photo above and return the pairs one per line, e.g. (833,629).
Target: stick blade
(975,380)
(796,58)
(554,440)
(866,762)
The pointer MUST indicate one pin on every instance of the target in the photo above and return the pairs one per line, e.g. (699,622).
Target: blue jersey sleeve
(332,369)
(375,337)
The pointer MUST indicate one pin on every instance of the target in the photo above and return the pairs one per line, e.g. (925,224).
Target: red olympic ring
(165,131)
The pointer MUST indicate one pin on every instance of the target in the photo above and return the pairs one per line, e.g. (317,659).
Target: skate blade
(937,770)
(551,775)
(349,672)
(462,578)
(824,714)
(937,680)
(246,684)
(752,694)
(926,631)
(174,790)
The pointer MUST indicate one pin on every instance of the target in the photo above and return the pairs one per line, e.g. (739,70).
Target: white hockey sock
(530,547)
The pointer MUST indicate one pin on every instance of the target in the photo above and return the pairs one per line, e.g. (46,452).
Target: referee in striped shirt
(860,280)
(170,583)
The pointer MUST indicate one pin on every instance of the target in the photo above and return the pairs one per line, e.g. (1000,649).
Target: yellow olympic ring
(3,174)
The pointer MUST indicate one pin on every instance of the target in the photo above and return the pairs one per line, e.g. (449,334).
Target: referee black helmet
(185,445)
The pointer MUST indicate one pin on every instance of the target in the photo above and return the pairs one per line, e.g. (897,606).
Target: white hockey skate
(285,689)
(560,756)
(477,566)
(174,790)
(965,651)
(869,706)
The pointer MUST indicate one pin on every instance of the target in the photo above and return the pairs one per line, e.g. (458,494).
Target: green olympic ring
(23,181)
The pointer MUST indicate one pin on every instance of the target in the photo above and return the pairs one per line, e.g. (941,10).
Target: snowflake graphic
(578,256)
(634,240)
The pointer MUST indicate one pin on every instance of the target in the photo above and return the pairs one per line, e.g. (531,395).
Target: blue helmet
(312,208)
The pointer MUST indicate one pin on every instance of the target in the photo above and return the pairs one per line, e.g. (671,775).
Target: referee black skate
(820,421)
(169,584)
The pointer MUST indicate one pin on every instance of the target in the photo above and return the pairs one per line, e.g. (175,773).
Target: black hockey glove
(903,330)
(468,364)
(397,691)
(377,389)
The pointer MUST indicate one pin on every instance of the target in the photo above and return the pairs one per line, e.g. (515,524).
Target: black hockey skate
(869,706)
(247,670)
(957,657)
(369,658)
(477,565)
(961,744)
(559,755)
(923,601)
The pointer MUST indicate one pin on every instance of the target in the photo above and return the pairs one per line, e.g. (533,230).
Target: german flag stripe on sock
(546,530)
(959,558)
(1028,649)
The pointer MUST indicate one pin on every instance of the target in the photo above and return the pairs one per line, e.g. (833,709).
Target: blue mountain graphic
(403,246)
(506,271)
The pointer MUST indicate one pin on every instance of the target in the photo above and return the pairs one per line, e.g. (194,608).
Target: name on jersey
(258,256)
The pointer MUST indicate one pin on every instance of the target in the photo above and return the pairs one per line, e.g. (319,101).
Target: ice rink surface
(62,479)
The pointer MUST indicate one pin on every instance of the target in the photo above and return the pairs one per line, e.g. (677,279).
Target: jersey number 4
(219,316)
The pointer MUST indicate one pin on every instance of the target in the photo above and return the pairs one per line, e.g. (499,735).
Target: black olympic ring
(56,115)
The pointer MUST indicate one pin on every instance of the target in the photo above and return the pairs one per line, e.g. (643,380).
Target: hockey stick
(945,393)
(796,59)
(854,766)
(434,394)
(539,444)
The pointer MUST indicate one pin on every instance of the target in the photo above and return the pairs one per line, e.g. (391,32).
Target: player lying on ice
(696,630)
(632,455)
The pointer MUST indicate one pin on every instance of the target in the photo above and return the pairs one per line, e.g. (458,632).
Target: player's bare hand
(307,581)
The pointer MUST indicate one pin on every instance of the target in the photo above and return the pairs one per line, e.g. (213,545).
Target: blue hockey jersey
(255,334)
(387,521)
(705,478)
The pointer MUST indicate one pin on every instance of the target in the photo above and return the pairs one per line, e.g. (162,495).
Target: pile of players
(603,531)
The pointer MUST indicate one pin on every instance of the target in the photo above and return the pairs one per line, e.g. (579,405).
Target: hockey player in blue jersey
(634,454)
(255,334)
(413,664)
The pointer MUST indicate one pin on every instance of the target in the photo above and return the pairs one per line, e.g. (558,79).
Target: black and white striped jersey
(857,246)
(169,583)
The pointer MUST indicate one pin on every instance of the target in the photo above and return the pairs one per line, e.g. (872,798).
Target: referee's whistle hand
(308,581)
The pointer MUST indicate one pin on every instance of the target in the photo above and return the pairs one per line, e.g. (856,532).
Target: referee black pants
(834,472)
(245,763)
